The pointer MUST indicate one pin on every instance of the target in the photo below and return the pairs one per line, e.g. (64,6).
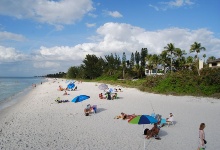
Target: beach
(38,122)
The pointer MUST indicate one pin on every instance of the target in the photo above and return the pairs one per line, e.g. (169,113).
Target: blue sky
(39,37)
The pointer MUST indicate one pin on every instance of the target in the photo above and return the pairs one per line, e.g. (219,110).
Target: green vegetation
(178,83)
(182,75)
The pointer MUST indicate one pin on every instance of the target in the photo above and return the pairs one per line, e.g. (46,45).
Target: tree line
(115,67)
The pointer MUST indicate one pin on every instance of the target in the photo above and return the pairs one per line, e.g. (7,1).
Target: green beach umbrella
(143,119)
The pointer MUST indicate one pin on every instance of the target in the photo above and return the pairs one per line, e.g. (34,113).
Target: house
(214,63)
(154,71)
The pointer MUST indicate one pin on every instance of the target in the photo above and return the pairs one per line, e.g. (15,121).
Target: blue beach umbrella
(70,86)
(143,119)
(80,98)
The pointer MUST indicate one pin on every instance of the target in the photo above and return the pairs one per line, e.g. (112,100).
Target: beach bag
(145,131)
(205,141)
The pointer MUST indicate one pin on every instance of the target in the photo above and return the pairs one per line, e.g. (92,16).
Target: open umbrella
(103,86)
(80,98)
(71,85)
(143,119)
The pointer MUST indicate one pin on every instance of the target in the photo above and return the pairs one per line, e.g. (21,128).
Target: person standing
(201,137)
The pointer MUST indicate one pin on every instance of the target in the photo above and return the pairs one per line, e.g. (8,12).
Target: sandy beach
(38,122)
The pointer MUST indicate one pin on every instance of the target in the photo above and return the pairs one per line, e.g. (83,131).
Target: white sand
(38,122)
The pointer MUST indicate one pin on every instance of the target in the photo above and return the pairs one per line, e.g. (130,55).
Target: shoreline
(15,97)
(38,122)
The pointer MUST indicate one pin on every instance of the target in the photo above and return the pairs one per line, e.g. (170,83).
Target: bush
(177,83)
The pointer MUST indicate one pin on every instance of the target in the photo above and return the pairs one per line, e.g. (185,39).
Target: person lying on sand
(125,116)
(61,101)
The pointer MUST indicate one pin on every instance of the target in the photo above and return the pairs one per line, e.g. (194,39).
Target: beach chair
(153,115)
(162,122)
(168,122)
(94,109)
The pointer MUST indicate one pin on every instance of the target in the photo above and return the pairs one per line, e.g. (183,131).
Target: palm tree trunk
(171,63)
(197,66)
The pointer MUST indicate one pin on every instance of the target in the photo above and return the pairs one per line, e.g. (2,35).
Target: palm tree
(155,61)
(137,70)
(211,58)
(180,57)
(164,59)
(204,56)
(189,61)
(196,47)
(149,64)
(170,48)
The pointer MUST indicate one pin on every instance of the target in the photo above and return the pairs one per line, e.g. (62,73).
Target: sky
(40,37)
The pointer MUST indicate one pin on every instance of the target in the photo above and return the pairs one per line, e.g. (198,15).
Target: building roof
(214,61)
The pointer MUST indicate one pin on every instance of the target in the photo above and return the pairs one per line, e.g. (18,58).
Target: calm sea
(11,88)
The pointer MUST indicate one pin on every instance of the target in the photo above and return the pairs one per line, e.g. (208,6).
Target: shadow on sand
(100,110)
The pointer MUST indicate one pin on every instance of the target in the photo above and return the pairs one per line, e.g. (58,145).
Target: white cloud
(114,14)
(9,54)
(90,25)
(114,38)
(11,36)
(92,15)
(51,12)
(171,4)
(46,64)
(121,37)
(155,7)
(179,3)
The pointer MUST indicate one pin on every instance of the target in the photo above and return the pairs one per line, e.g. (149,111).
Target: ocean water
(11,88)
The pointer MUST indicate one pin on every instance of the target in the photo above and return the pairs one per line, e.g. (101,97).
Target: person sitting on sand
(170,119)
(65,93)
(88,110)
(170,115)
(101,96)
(109,96)
(153,132)
(114,96)
(60,88)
